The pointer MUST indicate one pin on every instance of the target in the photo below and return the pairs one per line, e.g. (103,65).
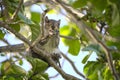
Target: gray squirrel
(50,40)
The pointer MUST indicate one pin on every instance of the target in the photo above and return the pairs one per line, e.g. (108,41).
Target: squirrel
(50,40)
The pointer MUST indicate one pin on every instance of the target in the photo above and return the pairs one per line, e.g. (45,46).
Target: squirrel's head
(52,26)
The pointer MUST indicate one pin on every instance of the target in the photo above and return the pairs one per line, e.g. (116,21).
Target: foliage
(108,12)
(97,12)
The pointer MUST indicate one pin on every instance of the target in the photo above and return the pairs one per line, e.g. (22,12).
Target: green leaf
(96,4)
(107,15)
(114,1)
(33,63)
(14,77)
(2,54)
(18,70)
(45,75)
(20,62)
(92,68)
(12,70)
(35,29)
(96,13)
(65,30)
(52,11)
(38,65)
(1,34)
(79,3)
(116,56)
(91,3)
(38,77)
(4,66)
(24,19)
(114,31)
(92,47)
(74,45)
(11,78)
(30,73)
(116,44)
(107,74)
(15,27)
(11,5)
(35,16)
(86,58)
(41,66)
(87,67)
(115,16)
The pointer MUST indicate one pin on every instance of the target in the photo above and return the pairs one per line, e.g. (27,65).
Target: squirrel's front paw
(56,57)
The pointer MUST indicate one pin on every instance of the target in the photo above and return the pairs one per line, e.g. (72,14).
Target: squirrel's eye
(52,27)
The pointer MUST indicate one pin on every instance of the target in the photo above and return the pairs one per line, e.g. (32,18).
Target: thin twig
(42,28)
(73,65)
(69,37)
(5,41)
(17,10)
(54,75)
(43,21)
(113,39)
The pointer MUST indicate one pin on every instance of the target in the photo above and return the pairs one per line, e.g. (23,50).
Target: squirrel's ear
(46,19)
(59,20)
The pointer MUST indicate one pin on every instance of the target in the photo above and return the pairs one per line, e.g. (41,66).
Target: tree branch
(12,48)
(53,64)
(31,2)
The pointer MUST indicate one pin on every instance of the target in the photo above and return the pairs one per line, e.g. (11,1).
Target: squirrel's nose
(56,31)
